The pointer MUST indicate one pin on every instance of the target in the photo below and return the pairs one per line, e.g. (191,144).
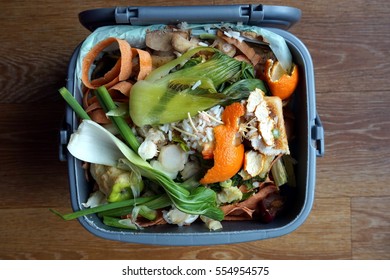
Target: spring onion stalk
(104,207)
(119,223)
(197,201)
(72,102)
(171,95)
(147,213)
(107,149)
(119,212)
(108,105)
(159,203)
(147,209)
(121,111)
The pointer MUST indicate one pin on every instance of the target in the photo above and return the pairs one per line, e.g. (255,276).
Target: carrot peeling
(122,87)
(118,79)
(145,63)
(121,70)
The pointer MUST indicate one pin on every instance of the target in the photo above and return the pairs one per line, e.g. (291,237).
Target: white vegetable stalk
(279,47)
(97,198)
(93,143)
(177,217)
(211,224)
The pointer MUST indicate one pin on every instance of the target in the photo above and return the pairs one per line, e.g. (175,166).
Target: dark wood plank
(30,170)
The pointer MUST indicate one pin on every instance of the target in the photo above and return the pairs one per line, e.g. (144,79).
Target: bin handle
(318,136)
(64,134)
(282,17)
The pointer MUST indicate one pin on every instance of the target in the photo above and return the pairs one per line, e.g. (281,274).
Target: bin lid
(282,17)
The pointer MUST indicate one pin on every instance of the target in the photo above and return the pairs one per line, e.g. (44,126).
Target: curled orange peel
(228,157)
(280,82)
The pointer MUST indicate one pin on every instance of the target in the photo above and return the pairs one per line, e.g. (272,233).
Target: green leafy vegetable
(109,150)
(241,90)
(93,143)
(170,96)
(181,143)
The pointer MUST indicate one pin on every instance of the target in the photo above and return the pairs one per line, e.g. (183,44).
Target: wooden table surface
(350,45)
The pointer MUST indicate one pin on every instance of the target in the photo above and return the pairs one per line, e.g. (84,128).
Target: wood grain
(371,224)
(356,144)
(29,145)
(349,44)
(57,239)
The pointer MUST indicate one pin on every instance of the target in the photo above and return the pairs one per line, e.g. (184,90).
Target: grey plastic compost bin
(308,144)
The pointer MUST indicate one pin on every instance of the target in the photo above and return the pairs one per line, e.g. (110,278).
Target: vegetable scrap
(118,79)
(199,128)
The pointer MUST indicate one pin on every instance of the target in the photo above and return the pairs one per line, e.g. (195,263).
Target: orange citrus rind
(280,82)
(228,156)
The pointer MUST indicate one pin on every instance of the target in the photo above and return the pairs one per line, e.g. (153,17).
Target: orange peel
(280,82)
(228,157)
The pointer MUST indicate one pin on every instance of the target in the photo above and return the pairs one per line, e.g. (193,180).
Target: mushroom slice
(161,40)
(181,43)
